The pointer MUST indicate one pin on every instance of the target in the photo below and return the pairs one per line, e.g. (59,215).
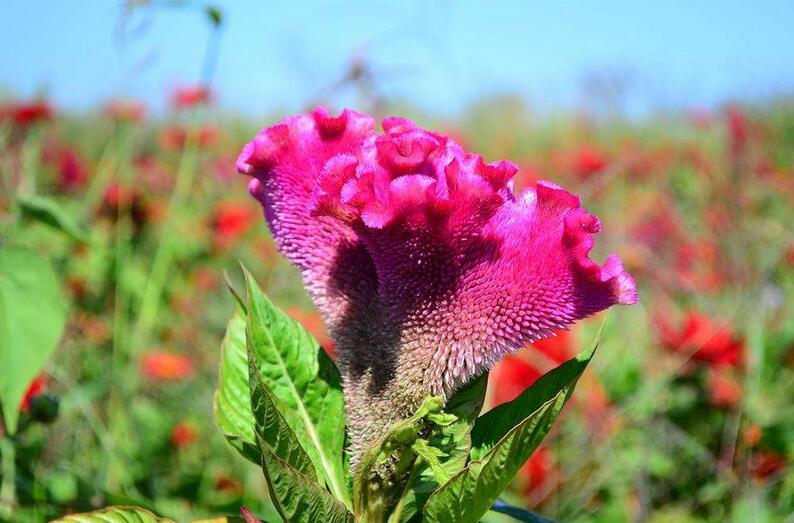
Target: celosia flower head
(425,265)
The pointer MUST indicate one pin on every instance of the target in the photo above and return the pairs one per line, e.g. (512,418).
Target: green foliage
(385,466)
(502,440)
(32,316)
(116,515)
(494,426)
(232,406)
(442,462)
(298,497)
(452,441)
(46,210)
(270,426)
(299,373)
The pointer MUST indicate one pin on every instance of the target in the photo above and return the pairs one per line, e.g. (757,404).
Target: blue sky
(440,54)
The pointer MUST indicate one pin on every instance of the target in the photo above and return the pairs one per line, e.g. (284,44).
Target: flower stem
(120,355)
(99,183)
(150,302)
(8,488)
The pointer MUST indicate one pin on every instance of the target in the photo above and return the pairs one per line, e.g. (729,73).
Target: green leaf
(32,317)
(299,373)
(118,514)
(298,498)
(232,406)
(496,423)
(272,427)
(453,440)
(502,440)
(47,211)
(386,465)
(431,455)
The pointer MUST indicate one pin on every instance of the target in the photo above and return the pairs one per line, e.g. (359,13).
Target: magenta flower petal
(287,163)
(427,267)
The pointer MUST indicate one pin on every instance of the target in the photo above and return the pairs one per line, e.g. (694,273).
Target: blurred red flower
(24,114)
(517,371)
(228,485)
(186,96)
(724,390)
(510,377)
(72,170)
(125,110)
(559,348)
(174,138)
(538,469)
(702,339)
(230,221)
(38,386)
(697,265)
(767,463)
(166,366)
(92,328)
(587,161)
(182,435)
(752,435)
(738,131)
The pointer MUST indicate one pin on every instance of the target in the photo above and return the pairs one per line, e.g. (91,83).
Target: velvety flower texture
(426,267)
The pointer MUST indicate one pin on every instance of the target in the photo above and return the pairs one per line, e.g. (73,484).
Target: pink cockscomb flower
(425,265)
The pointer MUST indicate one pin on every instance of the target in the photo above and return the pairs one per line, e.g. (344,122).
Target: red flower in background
(587,161)
(559,348)
(228,485)
(724,389)
(24,114)
(752,435)
(186,96)
(230,221)
(538,470)
(125,110)
(182,435)
(166,366)
(516,372)
(697,265)
(174,138)
(38,386)
(72,170)
(510,377)
(767,463)
(702,339)
(738,131)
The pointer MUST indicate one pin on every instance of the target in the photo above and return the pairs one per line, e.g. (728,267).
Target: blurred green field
(685,415)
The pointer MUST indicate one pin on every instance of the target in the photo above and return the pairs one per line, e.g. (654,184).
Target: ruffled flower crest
(425,265)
